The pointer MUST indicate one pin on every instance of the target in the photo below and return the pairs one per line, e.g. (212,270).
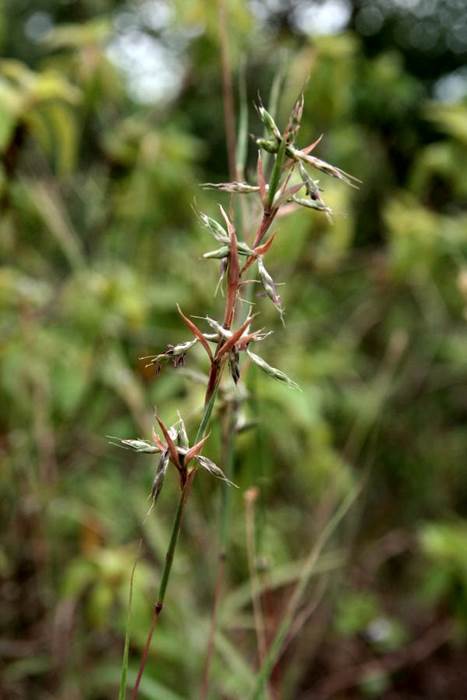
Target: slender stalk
(126,648)
(242,146)
(228,440)
(144,656)
(250,498)
(242,137)
(213,626)
(274,95)
(203,426)
(208,406)
(268,216)
(169,557)
(227,89)
(172,544)
(231,408)
(260,462)
(276,648)
(266,221)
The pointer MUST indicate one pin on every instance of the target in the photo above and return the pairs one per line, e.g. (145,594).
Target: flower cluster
(287,186)
(174,448)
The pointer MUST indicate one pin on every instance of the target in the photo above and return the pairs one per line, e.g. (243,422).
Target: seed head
(232,187)
(267,145)
(234,364)
(174,354)
(182,434)
(270,287)
(214,228)
(159,476)
(140,446)
(312,204)
(219,328)
(295,120)
(223,251)
(269,122)
(321,165)
(218,254)
(272,371)
(213,469)
(312,188)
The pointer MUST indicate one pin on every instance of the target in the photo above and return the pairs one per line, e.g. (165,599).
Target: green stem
(260,463)
(226,503)
(126,649)
(203,426)
(169,557)
(250,497)
(206,417)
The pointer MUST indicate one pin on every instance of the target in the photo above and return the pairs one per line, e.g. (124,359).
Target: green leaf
(126,648)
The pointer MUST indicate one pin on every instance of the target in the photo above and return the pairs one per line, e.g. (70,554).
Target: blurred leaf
(451,118)
(77,36)
(354,612)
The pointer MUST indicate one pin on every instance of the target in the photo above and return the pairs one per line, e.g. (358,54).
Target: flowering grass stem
(230,343)
(202,429)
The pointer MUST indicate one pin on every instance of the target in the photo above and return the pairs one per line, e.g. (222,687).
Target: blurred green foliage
(99,241)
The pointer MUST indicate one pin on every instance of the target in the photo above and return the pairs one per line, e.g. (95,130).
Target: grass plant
(228,340)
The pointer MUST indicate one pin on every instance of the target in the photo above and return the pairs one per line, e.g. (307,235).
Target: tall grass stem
(277,644)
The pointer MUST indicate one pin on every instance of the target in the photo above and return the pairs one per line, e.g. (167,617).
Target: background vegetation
(110,114)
